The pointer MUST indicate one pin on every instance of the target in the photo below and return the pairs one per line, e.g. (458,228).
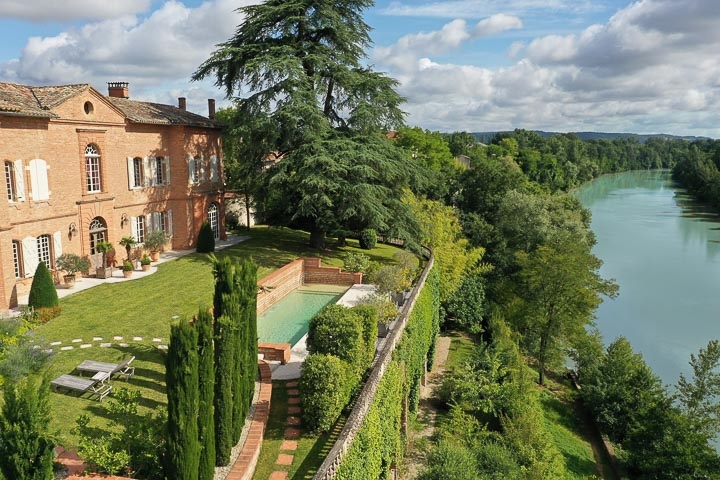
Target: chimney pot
(118,89)
(182,105)
(211,109)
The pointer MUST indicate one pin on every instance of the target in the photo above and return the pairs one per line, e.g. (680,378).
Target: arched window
(92,169)
(214,220)
(98,233)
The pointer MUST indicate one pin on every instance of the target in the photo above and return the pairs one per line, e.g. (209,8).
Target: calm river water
(664,253)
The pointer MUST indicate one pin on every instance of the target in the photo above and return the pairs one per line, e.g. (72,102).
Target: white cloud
(485,8)
(65,10)
(163,49)
(496,24)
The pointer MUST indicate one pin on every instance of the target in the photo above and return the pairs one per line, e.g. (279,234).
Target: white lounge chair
(123,369)
(95,385)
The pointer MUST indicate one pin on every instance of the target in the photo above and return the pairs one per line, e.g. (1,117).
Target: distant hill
(488,136)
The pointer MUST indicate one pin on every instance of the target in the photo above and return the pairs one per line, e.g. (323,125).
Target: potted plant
(104,248)
(145,263)
(128,243)
(154,242)
(72,264)
(127,268)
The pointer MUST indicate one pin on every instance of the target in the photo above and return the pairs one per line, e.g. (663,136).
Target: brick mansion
(82,167)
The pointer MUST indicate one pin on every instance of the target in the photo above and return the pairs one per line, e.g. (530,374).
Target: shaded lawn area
(312,447)
(146,307)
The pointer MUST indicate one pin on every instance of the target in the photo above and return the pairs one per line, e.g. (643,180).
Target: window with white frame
(194,170)
(138,228)
(92,169)
(44,250)
(10,180)
(214,219)
(136,172)
(161,171)
(161,221)
(17,259)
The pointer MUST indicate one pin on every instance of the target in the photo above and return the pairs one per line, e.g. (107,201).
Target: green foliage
(368,239)
(128,242)
(145,260)
(72,263)
(451,461)
(225,360)
(181,379)
(155,240)
(127,266)
(385,308)
(356,262)
(206,375)
(339,331)
(369,320)
(466,306)
(700,396)
(133,445)
(379,443)
(26,448)
(325,387)
(206,239)
(42,290)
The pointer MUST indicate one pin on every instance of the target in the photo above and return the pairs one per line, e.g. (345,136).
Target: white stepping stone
(162,347)
(97,339)
(117,338)
(105,345)
(157,340)
(70,347)
(49,350)
(86,345)
(55,343)
(123,345)
(76,340)
(137,339)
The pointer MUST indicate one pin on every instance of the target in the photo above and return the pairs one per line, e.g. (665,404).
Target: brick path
(292,432)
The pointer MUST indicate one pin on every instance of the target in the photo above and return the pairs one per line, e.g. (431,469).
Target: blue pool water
(287,321)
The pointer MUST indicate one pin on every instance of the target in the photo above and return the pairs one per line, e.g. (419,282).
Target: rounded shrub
(42,290)
(324,388)
(206,239)
(338,331)
(368,239)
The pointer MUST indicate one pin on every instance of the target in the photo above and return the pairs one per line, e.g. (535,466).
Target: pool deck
(298,353)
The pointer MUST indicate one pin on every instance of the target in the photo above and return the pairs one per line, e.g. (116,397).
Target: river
(663,250)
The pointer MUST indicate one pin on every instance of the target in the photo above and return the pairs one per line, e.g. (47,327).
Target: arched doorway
(98,233)
(214,219)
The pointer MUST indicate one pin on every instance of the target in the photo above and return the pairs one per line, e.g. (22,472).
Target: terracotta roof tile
(157,113)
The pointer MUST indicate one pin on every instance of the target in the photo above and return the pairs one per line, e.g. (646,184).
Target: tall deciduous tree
(301,64)
(700,395)
(560,288)
(183,403)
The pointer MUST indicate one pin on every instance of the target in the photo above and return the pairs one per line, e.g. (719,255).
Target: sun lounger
(95,385)
(123,369)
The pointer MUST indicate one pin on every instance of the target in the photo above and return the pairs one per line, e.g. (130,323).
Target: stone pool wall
(297,273)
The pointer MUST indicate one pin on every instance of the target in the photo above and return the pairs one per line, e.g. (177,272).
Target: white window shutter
(38,179)
(167,170)
(213,168)
(153,171)
(191,168)
(30,255)
(131,173)
(19,181)
(57,244)
(133,227)
(147,181)
(170,222)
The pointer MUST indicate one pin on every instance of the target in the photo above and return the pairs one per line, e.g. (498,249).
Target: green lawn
(146,307)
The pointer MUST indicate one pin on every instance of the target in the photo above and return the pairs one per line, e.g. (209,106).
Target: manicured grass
(312,448)
(461,348)
(146,307)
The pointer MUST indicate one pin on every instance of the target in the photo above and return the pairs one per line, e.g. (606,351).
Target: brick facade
(74,159)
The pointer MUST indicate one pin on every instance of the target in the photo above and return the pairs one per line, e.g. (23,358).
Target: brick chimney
(118,89)
(182,103)
(211,109)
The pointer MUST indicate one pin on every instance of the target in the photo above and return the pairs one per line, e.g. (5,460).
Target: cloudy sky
(650,66)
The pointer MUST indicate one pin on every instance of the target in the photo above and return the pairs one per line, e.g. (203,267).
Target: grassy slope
(146,307)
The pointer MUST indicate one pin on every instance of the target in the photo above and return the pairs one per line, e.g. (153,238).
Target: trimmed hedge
(206,375)
(324,386)
(206,239)
(338,331)
(368,239)
(42,290)
(368,316)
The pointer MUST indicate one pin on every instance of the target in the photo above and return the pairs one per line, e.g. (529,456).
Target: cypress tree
(248,285)
(206,239)
(42,290)
(181,377)
(224,374)
(26,450)
(206,374)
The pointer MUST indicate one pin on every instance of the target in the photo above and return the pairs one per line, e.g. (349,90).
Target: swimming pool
(287,321)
